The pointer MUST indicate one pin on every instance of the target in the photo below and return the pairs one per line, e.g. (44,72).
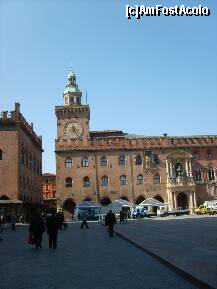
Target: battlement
(15,118)
(123,142)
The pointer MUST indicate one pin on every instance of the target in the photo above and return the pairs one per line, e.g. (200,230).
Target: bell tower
(73,116)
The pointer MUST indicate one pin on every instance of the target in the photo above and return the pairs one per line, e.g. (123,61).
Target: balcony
(180,182)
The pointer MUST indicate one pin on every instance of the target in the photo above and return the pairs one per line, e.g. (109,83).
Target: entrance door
(69,207)
(182,200)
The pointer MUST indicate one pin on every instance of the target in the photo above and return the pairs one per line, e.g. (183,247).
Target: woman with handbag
(37,228)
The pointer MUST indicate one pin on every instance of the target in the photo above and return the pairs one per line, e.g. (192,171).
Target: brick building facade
(20,161)
(108,165)
(49,191)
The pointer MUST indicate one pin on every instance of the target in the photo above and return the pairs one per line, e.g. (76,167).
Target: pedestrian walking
(121,217)
(110,221)
(84,221)
(13,221)
(60,218)
(52,224)
(37,228)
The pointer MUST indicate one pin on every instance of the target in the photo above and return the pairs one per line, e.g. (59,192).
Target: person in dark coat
(84,220)
(52,225)
(37,228)
(60,218)
(110,221)
(121,217)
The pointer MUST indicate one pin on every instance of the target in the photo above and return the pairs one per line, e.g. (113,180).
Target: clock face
(73,130)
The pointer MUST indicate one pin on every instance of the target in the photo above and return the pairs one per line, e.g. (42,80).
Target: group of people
(52,224)
(110,221)
(9,219)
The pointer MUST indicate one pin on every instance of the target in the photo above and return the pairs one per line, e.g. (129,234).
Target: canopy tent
(116,206)
(91,209)
(15,202)
(123,203)
(152,202)
(88,205)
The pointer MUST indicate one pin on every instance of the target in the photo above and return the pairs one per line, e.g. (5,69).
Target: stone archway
(4,197)
(105,201)
(69,207)
(139,200)
(87,199)
(182,200)
(124,198)
(159,198)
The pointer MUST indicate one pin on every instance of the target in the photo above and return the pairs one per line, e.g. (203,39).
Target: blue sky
(148,76)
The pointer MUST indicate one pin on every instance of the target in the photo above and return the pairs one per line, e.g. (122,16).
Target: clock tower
(73,117)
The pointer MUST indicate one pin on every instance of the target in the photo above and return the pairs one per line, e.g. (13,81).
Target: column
(195,199)
(190,169)
(191,205)
(170,200)
(175,200)
(186,168)
(167,169)
(171,170)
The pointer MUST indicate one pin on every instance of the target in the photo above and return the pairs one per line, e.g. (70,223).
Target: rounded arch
(124,198)
(159,198)
(105,201)
(69,205)
(139,200)
(4,197)
(87,199)
(182,200)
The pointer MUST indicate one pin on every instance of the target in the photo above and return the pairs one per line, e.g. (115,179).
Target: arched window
(68,163)
(156,179)
(140,179)
(156,159)
(122,160)
(179,170)
(195,154)
(123,180)
(72,100)
(138,160)
(0,155)
(211,173)
(198,175)
(86,182)
(68,182)
(209,155)
(103,161)
(104,181)
(85,162)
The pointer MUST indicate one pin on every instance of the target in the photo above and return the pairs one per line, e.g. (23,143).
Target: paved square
(188,242)
(84,259)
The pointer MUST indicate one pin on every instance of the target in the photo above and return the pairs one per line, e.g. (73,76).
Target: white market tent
(123,203)
(88,205)
(116,206)
(85,205)
(152,202)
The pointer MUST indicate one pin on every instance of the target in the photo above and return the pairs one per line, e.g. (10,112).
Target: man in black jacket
(52,224)
(110,220)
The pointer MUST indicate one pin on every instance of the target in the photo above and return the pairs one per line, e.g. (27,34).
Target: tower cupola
(72,94)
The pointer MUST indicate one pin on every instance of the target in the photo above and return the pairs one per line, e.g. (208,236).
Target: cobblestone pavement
(188,242)
(86,259)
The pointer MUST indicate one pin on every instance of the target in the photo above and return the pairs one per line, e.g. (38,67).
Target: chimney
(17,107)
